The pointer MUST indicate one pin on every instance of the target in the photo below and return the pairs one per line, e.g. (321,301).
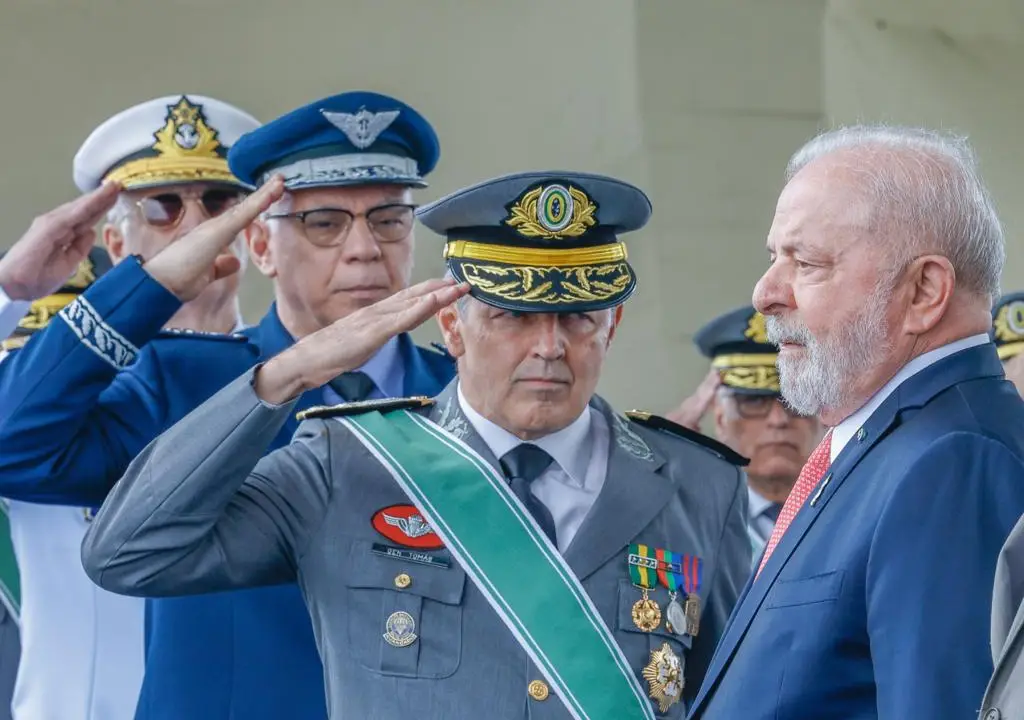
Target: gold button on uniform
(402,581)
(538,690)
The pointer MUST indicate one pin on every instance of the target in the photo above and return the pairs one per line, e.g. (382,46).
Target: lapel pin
(821,489)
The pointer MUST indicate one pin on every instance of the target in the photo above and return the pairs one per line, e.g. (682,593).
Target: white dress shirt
(845,431)
(759,525)
(572,483)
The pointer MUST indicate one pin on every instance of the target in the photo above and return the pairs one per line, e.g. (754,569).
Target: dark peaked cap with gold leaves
(737,343)
(1008,325)
(541,241)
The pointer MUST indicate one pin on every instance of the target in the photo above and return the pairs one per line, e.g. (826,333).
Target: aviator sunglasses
(166,209)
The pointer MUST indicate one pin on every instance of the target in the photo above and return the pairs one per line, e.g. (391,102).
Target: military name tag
(412,556)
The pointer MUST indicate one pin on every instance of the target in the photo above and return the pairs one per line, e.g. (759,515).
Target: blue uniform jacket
(82,398)
(876,602)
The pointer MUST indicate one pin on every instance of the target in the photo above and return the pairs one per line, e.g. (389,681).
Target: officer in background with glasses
(97,385)
(750,416)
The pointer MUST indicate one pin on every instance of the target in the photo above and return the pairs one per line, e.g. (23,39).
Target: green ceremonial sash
(10,578)
(510,560)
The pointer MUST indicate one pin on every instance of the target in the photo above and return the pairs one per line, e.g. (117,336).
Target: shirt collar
(570,446)
(385,369)
(756,504)
(844,431)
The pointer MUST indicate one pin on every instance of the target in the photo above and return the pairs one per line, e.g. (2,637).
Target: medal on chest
(680,574)
(642,565)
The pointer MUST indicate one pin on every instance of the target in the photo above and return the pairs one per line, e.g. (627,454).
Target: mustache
(783,331)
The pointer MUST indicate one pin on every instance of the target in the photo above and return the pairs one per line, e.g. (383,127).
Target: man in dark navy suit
(872,597)
(100,382)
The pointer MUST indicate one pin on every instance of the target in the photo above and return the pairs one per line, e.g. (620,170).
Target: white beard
(823,377)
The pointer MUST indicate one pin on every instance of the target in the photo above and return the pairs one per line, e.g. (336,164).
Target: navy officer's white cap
(166,141)
(355,138)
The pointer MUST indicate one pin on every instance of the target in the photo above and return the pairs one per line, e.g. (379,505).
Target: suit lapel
(913,393)
(632,482)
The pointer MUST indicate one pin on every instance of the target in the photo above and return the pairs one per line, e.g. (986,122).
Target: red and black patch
(404,525)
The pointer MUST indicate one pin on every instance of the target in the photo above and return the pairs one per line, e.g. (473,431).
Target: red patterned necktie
(812,473)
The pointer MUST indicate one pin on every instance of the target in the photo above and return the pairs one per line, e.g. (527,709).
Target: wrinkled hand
(186,267)
(49,252)
(1014,368)
(691,411)
(348,343)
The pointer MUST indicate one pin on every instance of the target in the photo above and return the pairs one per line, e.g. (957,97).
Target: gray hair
(927,188)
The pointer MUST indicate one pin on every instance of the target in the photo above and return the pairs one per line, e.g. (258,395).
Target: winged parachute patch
(665,425)
(364,406)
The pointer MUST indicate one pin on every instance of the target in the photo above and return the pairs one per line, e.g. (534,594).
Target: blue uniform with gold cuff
(102,381)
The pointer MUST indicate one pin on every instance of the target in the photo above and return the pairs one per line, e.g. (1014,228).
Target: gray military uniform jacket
(1004,698)
(199,511)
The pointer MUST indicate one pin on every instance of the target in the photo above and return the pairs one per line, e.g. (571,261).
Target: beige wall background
(700,102)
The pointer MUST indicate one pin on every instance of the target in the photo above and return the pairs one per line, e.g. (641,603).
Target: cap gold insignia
(664,676)
(757,329)
(186,134)
(552,212)
(1009,323)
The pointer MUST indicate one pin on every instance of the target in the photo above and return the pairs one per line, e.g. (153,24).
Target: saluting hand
(186,267)
(348,343)
(55,243)
(692,410)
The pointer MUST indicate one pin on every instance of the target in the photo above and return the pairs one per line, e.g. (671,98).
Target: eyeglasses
(329,227)
(167,209)
(757,407)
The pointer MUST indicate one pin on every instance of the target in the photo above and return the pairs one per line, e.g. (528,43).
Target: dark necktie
(353,386)
(772,511)
(522,465)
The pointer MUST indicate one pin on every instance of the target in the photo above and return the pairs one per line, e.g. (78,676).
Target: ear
(257,239)
(451,330)
(114,242)
(932,282)
(719,411)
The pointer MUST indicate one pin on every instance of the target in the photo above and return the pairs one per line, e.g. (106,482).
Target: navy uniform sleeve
(929,576)
(68,429)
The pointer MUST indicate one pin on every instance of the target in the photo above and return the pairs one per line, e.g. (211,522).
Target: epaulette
(176,333)
(363,406)
(14,343)
(665,425)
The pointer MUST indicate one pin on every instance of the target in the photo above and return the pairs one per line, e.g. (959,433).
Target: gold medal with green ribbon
(643,566)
